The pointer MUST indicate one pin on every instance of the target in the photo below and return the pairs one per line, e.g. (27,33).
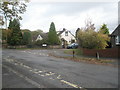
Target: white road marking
(59,77)
(51,78)
(21,64)
(31,70)
(28,67)
(16,64)
(70,84)
(42,54)
(35,69)
(42,73)
(36,72)
(47,74)
(22,76)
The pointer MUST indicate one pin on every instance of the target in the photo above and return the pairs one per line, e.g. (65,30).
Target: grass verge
(87,60)
(70,51)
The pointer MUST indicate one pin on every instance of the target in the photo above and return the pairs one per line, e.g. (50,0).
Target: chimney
(64,29)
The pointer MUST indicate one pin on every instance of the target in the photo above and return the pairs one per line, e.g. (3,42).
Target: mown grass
(70,51)
(80,57)
(86,60)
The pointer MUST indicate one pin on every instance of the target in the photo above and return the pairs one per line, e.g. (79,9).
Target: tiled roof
(116,31)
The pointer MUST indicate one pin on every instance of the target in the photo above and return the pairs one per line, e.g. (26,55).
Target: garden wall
(31,46)
(107,53)
(54,46)
(20,46)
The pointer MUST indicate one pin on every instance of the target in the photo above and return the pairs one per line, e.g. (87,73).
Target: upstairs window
(118,40)
(66,33)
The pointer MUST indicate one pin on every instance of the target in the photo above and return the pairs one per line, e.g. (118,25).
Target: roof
(43,35)
(60,32)
(116,31)
(71,34)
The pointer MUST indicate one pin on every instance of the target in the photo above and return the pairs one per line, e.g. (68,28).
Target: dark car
(72,46)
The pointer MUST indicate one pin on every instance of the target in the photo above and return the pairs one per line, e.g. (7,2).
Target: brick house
(115,37)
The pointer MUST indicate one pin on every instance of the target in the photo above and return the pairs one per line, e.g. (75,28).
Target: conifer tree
(53,39)
(104,29)
(15,38)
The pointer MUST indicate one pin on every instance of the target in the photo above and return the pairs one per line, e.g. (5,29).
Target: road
(36,69)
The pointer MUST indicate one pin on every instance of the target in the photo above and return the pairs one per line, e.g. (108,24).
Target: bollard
(97,56)
(73,53)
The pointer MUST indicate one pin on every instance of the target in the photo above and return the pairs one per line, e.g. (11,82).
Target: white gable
(39,38)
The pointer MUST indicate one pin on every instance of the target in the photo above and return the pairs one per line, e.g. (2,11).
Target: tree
(27,38)
(12,9)
(89,25)
(89,38)
(1,21)
(10,25)
(39,42)
(53,39)
(0,35)
(92,40)
(4,34)
(104,29)
(15,38)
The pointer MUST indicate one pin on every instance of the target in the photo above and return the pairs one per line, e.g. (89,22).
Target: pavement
(36,69)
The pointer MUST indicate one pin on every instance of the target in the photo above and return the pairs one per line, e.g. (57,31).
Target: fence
(31,46)
(107,53)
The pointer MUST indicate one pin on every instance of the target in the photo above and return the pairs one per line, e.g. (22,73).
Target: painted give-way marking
(41,54)
(43,73)
(24,77)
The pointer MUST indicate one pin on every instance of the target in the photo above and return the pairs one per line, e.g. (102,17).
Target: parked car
(72,46)
(44,45)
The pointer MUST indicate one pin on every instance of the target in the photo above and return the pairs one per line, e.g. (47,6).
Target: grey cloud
(68,8)
(119,12)
(72,9)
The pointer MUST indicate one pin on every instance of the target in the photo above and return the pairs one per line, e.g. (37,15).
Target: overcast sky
(69,15)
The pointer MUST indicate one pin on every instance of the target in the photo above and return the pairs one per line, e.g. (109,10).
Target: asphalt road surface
(36,69)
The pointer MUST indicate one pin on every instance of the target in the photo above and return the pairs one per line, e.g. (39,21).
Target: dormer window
(66,33)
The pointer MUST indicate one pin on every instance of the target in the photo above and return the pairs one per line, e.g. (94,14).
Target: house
(41,36)
(115,37)
(66,37)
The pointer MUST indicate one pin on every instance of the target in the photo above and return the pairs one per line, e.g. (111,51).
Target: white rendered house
(66,37)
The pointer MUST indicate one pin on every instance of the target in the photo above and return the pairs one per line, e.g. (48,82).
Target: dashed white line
(25,78)
(59,77)
(43,73)
(70,84)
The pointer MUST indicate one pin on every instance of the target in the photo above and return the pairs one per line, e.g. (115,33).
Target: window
(117,40)
(66,33)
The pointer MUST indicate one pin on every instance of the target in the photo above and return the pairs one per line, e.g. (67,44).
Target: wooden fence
(107,53)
